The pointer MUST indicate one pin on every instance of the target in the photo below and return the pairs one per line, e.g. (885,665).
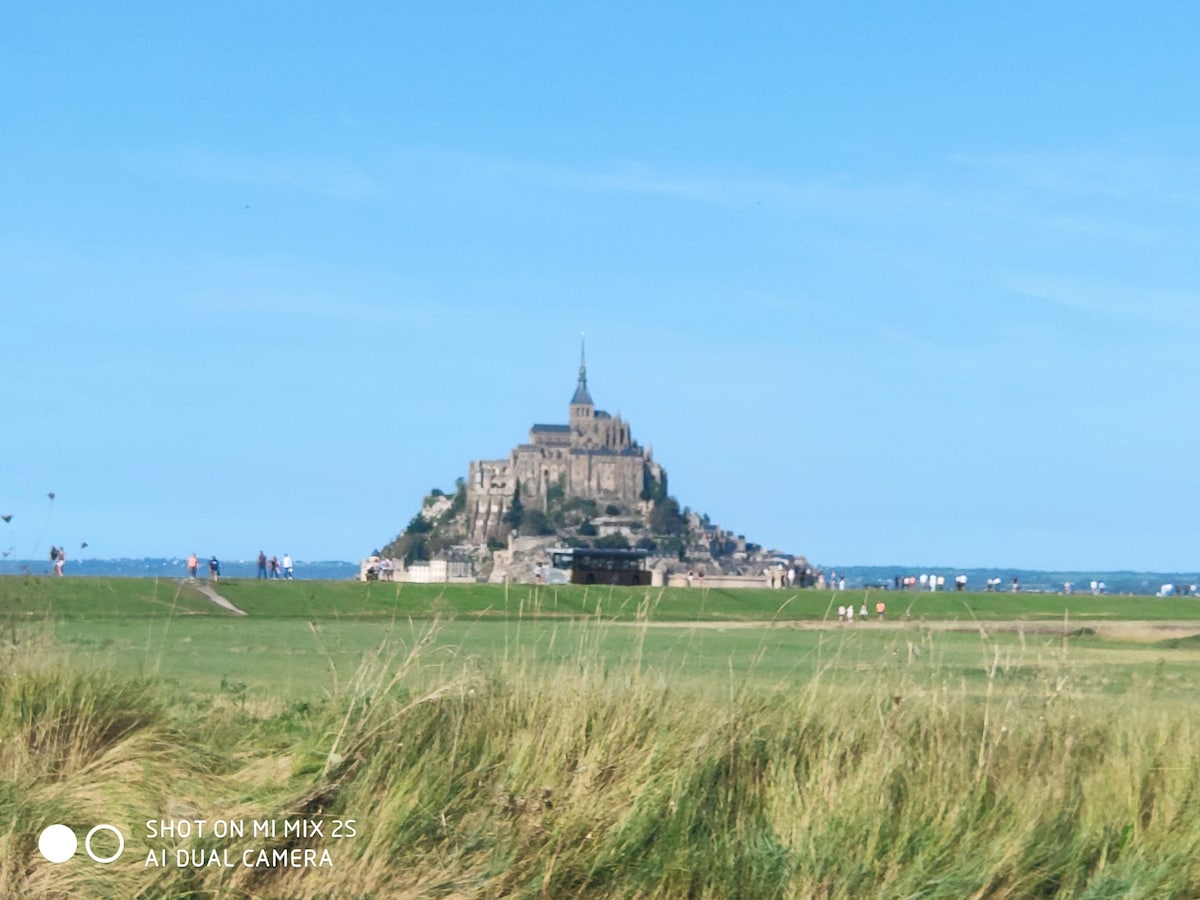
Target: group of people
(835,582)
(785,577)
(275,567)
(932,582)
(996,584)
(214,568)
(379,569)
(928,582)
(58,557)
(846,613)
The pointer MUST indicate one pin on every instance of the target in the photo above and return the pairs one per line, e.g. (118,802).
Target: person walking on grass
(193,565)
(287,567)
(214,570)
(262,564)
(880,608)
(862,611)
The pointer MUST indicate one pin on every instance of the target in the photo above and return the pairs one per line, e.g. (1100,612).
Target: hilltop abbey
(582,483)
(593,456)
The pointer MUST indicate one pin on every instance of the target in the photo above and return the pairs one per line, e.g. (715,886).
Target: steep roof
(582,397)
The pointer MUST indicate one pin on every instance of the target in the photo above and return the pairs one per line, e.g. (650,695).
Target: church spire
(582,397)
(582,362)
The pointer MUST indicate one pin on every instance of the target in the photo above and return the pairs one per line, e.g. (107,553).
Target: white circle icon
(87,844)
(57,843)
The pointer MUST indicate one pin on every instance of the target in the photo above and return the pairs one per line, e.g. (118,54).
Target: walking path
(211,593)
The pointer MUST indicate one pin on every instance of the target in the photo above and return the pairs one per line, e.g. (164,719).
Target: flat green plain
(93,598)
(305,638)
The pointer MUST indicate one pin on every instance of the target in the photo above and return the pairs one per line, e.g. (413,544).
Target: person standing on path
(214,570)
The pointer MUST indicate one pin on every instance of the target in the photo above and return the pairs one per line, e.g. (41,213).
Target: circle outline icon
(87,844)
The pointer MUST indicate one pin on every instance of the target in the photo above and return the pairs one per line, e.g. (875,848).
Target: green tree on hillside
(654,490)
(418,524)
(459,503)
(666,518)
(537,522)
(615,541)
(516,512)
(417,550)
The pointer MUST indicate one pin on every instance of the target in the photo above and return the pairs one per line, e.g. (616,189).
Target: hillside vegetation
(657,524)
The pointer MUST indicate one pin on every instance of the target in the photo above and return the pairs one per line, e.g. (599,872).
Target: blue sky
(880,283)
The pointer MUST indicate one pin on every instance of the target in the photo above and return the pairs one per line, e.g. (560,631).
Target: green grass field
(94,598)
(302,638)
(606,742)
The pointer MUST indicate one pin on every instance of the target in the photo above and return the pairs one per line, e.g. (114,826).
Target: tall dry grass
(595,779)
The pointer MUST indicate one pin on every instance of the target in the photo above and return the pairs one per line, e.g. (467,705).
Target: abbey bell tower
(582,407)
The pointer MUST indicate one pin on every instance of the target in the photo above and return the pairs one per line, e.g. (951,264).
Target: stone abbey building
(593,456)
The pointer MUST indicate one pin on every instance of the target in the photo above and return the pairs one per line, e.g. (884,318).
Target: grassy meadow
(571,742)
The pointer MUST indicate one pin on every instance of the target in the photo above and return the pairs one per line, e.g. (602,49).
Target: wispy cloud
(1095,174)
(325,178)
(1090,195)
(1105,300)
(831,195)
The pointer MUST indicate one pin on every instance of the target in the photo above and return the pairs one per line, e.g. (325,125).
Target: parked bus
(585,565)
